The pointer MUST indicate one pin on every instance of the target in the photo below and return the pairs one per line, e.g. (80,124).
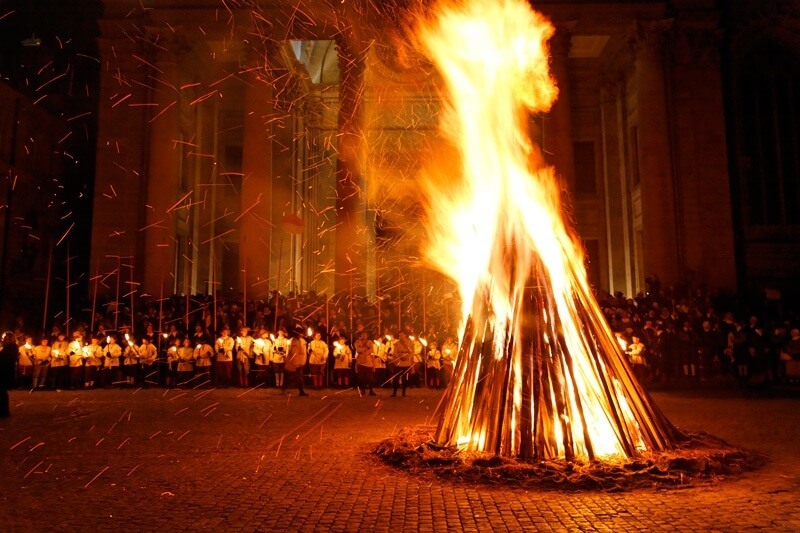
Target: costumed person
(42,354)
(224,364)
(185,362)
(172,362)
(8,358)
(296,360)
(111,369)
(318,359)
(130,361)
(365,363)
(262,350)
(402,362)
(433,362)
(448,360)
(278,359)
(59,368)
(244,356)
(203,360)
(343,358)
(147,360)
(379,362)
(76,356)
(25,364)
(93,363)
(418,368)
(636,351)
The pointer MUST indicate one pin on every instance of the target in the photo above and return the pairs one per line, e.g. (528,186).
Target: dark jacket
(8,357)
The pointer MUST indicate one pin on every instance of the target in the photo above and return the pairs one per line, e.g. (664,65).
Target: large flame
(539,373)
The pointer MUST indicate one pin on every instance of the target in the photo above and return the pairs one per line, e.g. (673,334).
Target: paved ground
(201,460)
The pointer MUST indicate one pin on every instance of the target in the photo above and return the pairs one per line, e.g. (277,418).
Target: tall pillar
(618,222)
(256,197)
(351,237)
(662,255)
(163,179)
(558,147)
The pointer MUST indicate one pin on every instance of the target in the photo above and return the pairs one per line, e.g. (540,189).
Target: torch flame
(552,381)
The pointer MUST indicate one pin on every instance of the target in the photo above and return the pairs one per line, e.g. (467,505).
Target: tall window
(769,135)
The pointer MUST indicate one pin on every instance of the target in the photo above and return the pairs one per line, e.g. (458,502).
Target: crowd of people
(702,336)
(670,336)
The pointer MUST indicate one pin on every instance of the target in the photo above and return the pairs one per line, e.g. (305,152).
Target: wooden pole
(68,289)
(244,288)
(47,289)
(214,285)
(133,308)
(116,297)
(94,293)
(278,282)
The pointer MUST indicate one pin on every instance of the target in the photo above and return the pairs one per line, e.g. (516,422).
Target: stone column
(558,147)
(618,224)
(162,178)
(351,238)
(256,197)
(662,255)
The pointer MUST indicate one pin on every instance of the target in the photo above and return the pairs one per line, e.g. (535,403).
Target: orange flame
(497,228)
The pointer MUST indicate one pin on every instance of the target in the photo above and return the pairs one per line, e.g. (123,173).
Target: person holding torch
(58,362)
(113,353)
(76,353)
(365,362)
(224,365)
(41,363)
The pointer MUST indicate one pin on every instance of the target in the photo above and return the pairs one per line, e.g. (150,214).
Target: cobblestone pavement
(259,460)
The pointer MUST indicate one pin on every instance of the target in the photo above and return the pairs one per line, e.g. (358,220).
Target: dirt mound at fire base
(697,458)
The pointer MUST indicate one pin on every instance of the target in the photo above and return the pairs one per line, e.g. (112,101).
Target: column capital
(561,41)
(647,37)
(700,46)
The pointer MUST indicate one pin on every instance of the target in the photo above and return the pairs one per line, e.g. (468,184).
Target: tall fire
(539,374)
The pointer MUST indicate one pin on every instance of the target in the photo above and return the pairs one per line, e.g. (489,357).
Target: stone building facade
(250,146)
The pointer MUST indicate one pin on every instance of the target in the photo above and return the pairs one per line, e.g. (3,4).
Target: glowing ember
(539,374)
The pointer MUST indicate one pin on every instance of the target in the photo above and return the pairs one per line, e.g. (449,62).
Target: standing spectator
(343,358)
(433,362)
(296,359)
(365,362)
(147,360)
(262,349)
(449,354)
(185,362)
(93,363)
(737,345)
(224,363)
(278,357)
(402,362)
(203,359)
(244,356)
(25,364)
(77,353)
(381,355)
(113,353)
(687,347)
(8,356)
(318,358)
(41,363)
(708,344)
(59,363)
(636,354)
(130,361)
